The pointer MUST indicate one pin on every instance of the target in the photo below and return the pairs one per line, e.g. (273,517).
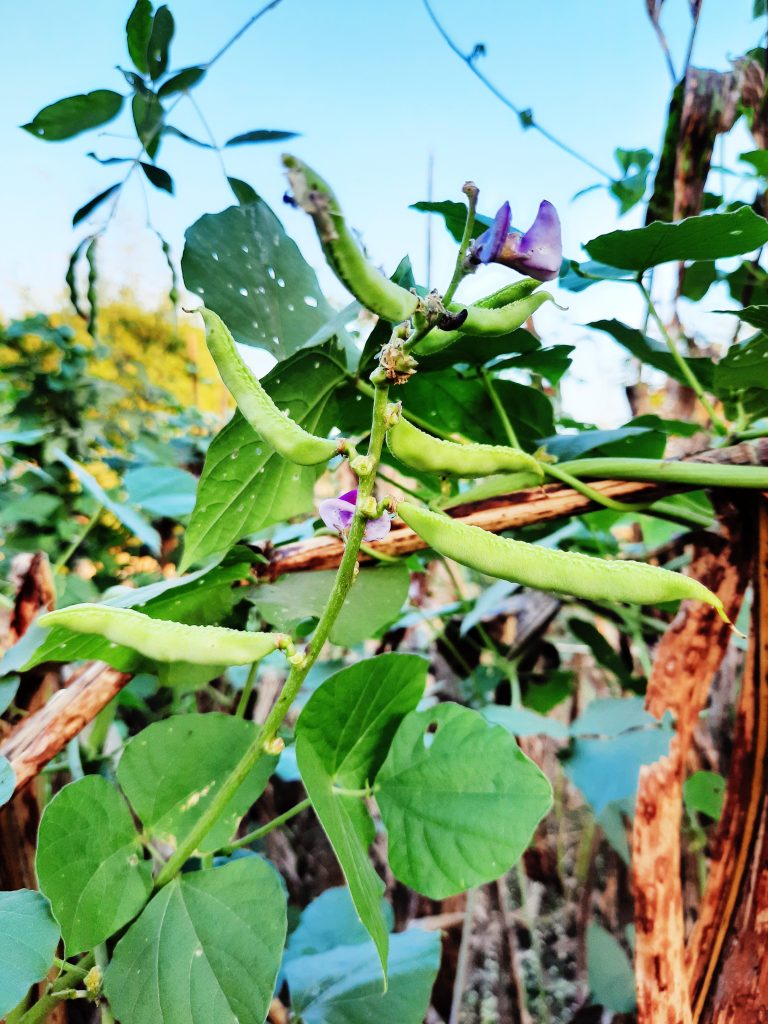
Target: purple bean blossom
(537,253)
(337,514)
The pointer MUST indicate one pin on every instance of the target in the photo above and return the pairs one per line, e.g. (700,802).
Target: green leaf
(169,129)
(552,363)
(138,29)
(329,921)
(75,114)
(28,940)
(623,440)
(161,490)
(343,983)
(698,278)
(159,42)
(611,716)
(8,689)
(575,277)
(246,269)
(607,769)
(131,520)
(705,792)
(524,722)
(655,353)
(172,770)
(245,485)
(376,599)
(182,81)
(455,216)
(93,204)
(243,192)
(467,350)
(706,237)
(745,367)
(341,739)
(756,316)
(206,949)
(611,978)
(90,862)
(260,135)
(158,177)
(603,652)
(459,799)
(148,117)
(758,159)
(7,780)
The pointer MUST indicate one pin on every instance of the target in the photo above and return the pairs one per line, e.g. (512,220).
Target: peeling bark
(687,659)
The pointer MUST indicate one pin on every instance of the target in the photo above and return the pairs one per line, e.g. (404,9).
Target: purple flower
(337,514)
(537,253)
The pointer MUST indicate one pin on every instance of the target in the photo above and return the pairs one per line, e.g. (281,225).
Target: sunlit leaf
(90,862)
(207,948)
(75,114)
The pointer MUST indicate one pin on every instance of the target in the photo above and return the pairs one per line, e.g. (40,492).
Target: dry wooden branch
(728,970)
(537,505)
(686,661)
(39,738)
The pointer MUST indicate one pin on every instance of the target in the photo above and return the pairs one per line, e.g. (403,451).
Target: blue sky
(374,92)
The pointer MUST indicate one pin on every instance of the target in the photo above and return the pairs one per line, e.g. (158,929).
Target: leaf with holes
(245,268)
(206,949)
(75,114)
(90,862)
(159,42)
(172,770)
(460,804)
(245,485)
(28,940)
(341,739)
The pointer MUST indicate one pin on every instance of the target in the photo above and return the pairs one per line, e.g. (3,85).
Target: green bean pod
(342,251)
(493,487)
(563,572)
(161,640)
(419,450)
(275,427)
(485,322)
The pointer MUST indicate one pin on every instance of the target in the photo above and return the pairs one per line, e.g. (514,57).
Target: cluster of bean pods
(505,469)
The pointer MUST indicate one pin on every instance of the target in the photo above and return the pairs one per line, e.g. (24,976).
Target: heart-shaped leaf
(460,800)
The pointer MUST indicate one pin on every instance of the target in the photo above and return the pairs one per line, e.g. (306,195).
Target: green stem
(302,664)
(589,492)
(259,833)
(698,474)
(693,382)
(501,412)
(65,557)
(395,483)
(245,696)
(59,990)
(366,389)
(361,794)
(470,191)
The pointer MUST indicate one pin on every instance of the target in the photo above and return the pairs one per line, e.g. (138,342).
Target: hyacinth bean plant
(170,921)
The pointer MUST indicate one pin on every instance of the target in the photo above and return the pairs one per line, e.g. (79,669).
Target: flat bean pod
(564,572)
(420,450)
(488,323)
(342,251)
(166,641)
(275,427)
